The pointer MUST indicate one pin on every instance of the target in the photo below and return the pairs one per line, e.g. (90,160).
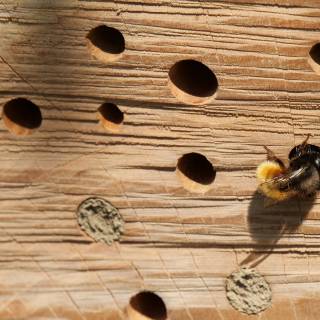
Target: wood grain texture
(178,244)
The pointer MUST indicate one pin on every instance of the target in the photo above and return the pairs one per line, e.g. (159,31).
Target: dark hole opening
(108,39)
(23,112)
(315,53)
(194,78)
(150,305)
(111,112)
(197,168)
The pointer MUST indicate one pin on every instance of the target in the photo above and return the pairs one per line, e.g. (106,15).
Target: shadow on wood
(268,224)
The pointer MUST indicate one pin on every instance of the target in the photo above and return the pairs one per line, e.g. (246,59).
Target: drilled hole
(107,44)
(314,58)
(147,305)
(21,116)
(111,117)
(192,82)
(195,172)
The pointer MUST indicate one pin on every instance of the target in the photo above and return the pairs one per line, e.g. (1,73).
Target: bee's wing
(287,180)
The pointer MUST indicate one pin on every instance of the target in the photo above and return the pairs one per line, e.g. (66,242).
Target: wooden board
(178,244)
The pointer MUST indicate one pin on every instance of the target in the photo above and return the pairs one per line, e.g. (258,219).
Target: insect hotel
(130,137)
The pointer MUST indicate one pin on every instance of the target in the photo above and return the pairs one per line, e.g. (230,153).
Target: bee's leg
(270,154)
(272,157)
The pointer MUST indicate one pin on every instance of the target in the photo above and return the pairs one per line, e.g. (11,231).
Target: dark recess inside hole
(23,112)
(197,168)
(108,39)
(315,53)
(150,305)
(194,78)
(111,112)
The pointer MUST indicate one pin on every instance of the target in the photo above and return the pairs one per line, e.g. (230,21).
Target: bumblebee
(300,178)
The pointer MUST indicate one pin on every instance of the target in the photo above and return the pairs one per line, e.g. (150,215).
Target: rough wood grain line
(178,244)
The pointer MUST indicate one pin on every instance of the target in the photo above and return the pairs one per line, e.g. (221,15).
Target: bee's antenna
(302,146)
(304,143)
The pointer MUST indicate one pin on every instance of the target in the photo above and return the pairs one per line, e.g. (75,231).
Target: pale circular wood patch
(100,220)
(248,291)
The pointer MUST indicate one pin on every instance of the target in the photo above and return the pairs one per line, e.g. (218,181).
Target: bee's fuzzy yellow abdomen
(274,193)
(268,170)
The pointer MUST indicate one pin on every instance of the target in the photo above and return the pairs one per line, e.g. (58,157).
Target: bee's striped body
(279,182)
(266,172)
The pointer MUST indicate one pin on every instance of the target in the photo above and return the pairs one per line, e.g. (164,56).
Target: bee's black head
(303,149)
(305,154)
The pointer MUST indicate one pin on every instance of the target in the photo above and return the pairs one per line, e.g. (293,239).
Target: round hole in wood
(314,58)
(110,116)
(195,172)
(192,82)
(21,116)
(147,305)
(105,43)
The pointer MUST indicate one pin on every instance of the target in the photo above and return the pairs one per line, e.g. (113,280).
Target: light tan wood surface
(178,244)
